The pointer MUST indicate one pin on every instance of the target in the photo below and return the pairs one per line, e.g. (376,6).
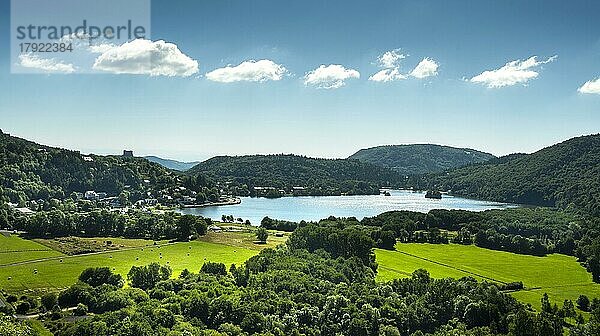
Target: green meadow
(558,275)
(61,271)
(14,249)
(562,277)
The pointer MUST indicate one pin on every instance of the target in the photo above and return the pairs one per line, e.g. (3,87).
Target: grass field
(14,249)
(244,239)
(558,275)
(77,245)
(53,274)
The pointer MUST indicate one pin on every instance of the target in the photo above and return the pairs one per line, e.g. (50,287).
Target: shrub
(214,268)
(23,307)
(81,310)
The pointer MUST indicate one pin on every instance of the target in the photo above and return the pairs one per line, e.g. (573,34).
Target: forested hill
(420,159)
(171,164)
(29,171)
(563,175)
(317,176)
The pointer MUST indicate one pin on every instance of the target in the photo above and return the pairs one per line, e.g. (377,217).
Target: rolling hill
(171,164)
(317,176)
(420,158)
(563,175)
(30,171)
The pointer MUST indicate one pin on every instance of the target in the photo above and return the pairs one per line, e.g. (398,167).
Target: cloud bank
(332,76)
(145,57)
(249,71)
(512,73)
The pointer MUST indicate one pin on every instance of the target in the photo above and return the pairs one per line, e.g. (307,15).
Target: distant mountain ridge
(420,158)
(172,164)
(566,175)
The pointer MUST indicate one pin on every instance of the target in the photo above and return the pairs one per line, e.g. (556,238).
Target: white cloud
(145,57)
(49,65)
(83,42)
(390,62)
(390,59)
(331,76)
(514,72)
(249,71)
(426,68)
(387,75)
(591,87)
(100,48)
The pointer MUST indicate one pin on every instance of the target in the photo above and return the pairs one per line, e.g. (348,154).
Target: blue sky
(521,108)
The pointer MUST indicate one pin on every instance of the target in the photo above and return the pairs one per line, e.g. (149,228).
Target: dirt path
(34,316)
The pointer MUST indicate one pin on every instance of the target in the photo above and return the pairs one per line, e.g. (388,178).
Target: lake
(313,208)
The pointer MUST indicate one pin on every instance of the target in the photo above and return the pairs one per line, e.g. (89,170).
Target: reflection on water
(311,208)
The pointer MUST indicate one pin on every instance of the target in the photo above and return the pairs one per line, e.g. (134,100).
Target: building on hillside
(25,211)
(215,228)
(90,195)
(299,191)
(127,153)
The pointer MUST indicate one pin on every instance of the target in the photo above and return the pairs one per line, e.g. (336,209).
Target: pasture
(14,249)
(558,275)
(60,271)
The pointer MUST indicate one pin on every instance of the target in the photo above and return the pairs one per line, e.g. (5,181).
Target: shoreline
(231,201)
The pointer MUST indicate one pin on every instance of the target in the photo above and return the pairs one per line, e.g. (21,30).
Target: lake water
(313,208)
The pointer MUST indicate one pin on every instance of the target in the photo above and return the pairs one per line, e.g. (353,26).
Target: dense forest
(566,175)
(316,176)
(322,282)
(32,172)
(420,159)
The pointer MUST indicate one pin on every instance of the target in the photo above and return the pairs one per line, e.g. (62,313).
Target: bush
(513,286)
(11,299)
(262,234)
(81,310)
(583,303)
(214,268)
(96,276)
(23,307)
(146,277)
(49,300)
